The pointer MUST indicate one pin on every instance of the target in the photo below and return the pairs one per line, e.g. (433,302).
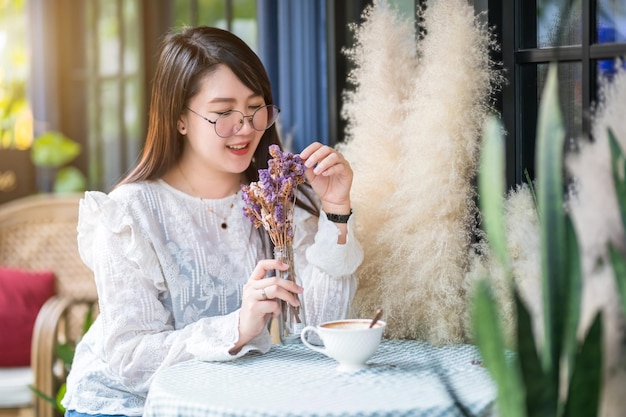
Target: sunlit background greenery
(16,120)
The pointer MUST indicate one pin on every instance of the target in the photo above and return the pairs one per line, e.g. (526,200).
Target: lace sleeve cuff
(213,341)
(329,256)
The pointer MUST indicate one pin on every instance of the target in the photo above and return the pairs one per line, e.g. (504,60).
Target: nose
(242,124)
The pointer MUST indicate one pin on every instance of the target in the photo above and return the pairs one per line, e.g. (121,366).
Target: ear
(180,126)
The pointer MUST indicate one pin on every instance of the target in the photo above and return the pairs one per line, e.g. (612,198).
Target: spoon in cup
(379,313)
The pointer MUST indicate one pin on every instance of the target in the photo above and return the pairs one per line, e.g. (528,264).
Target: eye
(223,113)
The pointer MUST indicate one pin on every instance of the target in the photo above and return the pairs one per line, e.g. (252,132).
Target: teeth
(237,147)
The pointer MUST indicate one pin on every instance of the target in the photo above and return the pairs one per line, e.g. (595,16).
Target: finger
(327,161)
(279,282)
(276,292)
(316,154)
(309,150)
(265,265)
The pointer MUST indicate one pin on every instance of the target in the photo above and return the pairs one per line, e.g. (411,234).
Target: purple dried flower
(270,201)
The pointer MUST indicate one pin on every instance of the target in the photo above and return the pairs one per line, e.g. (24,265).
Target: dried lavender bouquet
(270,203)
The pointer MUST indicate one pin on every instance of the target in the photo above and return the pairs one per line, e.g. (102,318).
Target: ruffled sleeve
(136,328)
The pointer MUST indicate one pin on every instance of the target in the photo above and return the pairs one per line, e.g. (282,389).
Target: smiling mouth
(237,147)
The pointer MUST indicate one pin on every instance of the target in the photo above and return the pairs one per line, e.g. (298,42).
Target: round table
(404,378)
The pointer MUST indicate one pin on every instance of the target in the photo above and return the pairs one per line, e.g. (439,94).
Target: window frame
(517,115)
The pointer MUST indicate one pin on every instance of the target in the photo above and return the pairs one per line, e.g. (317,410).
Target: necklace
(224,224)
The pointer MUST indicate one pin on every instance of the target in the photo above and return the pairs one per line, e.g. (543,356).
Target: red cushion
(22,293)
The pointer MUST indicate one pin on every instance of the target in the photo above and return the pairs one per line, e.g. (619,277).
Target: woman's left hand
(330,175)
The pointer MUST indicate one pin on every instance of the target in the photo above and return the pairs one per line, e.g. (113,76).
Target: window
(92,78)
(584,38)
(121,59)
(115,115)
(237,16)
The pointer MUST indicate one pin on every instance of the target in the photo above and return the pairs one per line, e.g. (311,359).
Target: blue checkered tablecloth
(404,378)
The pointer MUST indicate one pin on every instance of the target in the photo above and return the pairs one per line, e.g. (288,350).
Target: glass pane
(131,36)
(606,69)
(244,21)
(557,24)
(182,14)
(108,38)
(111,132)
(212,13)
(611,21)
(133,121)
(570,97)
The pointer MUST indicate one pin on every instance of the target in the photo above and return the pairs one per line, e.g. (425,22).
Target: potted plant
(555,373)
(50,153)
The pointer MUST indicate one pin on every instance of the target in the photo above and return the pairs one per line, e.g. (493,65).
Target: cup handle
(312,329)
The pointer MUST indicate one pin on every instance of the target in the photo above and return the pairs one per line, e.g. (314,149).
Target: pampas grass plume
(385,60)
(416,205)
(523,247)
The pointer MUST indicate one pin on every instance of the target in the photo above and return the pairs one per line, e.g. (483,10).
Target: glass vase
(291,321)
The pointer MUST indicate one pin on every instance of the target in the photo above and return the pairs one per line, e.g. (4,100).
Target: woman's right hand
(260,300)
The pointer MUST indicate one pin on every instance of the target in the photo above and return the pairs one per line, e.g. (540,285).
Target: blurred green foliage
(533,381)
(55,150)
(16,125)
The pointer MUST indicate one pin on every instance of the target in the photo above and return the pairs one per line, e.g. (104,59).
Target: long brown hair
(185,59)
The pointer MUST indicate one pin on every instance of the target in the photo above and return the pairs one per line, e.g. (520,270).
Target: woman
(180,272)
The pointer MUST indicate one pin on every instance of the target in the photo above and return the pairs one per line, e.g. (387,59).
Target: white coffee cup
(350,342)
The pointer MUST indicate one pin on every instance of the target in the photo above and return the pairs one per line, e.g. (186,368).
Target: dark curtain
(293,47)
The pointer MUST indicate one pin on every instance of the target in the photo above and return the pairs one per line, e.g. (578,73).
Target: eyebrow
(231,100)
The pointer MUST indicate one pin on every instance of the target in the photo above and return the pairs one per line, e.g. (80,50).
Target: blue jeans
(72,413)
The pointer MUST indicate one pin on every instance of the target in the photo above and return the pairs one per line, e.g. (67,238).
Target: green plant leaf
(618,163)
(88,319)
(550,139)
(488,335)
(60,395)
(45,397)
(491,188)
(541,396)
(65,352)
(573,300)
(531,185)
(53,149)
(583,397)
(69,180)
(619,269)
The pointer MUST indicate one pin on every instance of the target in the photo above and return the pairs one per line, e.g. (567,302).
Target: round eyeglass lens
(230,123)
(264,117)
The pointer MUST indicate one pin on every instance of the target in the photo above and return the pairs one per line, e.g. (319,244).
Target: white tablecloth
(405,378)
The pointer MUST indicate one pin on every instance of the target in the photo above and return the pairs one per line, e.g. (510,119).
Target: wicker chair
(39,233)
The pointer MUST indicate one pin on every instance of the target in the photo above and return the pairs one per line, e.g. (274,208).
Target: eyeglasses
(229,123)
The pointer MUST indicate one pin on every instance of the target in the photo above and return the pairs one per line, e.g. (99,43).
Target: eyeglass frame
(250,117)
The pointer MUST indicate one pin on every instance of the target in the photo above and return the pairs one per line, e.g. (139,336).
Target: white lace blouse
(170,281)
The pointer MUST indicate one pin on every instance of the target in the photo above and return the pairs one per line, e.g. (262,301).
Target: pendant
(224,225)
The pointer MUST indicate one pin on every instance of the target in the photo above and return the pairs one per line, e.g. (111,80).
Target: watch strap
(338,218)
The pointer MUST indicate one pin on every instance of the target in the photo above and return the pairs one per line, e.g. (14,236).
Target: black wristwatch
(338,218)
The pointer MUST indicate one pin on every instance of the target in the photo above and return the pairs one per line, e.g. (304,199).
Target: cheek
(255,143)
